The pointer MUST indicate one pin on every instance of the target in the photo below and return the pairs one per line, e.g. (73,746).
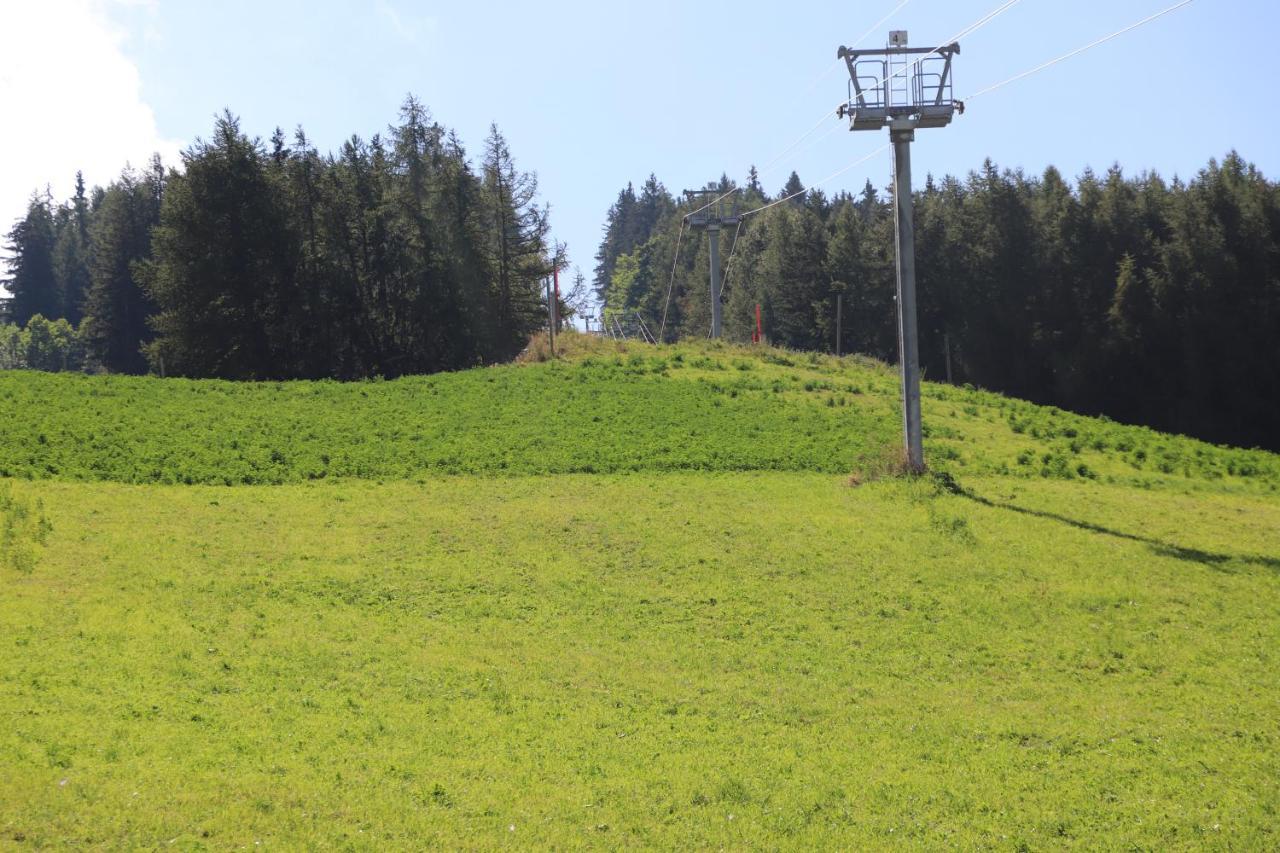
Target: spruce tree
(223,258)
(621,235)
(32,282)
(72,253)
(792,188)
(117,308)
(517,250)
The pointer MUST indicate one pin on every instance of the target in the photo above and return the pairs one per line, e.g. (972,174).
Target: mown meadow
(629,598)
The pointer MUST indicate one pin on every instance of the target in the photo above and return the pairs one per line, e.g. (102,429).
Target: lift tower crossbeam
(712,217)
(904,89)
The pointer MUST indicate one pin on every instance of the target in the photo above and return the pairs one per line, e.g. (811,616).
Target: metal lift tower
(903,88)
(713,216)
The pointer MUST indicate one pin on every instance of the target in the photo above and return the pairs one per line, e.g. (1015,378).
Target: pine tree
(517,251)
(792,189)
(117,308)
(223,258)
(622,233)
(32,282)
(72,253)
(801,293)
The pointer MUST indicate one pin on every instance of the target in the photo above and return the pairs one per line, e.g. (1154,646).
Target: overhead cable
(969,30)
(992,88)
(1079,50)
(671,284)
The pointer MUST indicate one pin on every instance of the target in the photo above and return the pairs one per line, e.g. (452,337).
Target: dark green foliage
(597,417)
(117,307)
(515,248)
(31,281)
(709,408)
(72,253)
(391,258)
(254,261)
(222,265)
(631,222)
(1152,302)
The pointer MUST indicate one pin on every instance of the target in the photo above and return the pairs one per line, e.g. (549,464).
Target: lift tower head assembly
(903,88)
(712,217)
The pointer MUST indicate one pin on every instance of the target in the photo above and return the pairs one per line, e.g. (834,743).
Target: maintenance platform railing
(898,83)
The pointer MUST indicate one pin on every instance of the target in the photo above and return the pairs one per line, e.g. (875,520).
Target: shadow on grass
(1164,549)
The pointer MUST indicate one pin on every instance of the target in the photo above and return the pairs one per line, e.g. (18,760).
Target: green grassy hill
(610,409)
(688,629)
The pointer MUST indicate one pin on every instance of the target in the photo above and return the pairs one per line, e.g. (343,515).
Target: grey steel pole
(551,318)
(946,349)
(713,231)
(839,320)
(909,348)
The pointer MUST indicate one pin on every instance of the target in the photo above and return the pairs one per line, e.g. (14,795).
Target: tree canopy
(1150,301)
(268,260)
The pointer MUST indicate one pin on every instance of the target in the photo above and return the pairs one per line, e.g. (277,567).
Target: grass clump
(24,530)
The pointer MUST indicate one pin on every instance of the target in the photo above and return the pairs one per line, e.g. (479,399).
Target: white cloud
(71,99)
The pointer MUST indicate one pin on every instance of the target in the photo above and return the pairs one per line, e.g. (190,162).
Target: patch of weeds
(883,463)
(732,790)
(24,530)
(951,525)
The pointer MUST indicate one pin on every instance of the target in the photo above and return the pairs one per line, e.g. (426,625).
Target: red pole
(759,335)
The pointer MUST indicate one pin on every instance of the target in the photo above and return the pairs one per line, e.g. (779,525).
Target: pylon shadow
(1164,549)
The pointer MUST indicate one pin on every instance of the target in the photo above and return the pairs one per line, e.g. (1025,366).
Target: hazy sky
(592,95)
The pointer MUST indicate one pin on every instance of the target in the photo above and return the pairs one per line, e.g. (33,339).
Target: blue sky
(593,95)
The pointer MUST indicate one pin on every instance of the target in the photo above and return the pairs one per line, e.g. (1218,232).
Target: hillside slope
(610,408)
(432,634)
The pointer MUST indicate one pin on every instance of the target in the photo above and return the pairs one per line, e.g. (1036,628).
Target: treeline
(1150,301)
(270,260)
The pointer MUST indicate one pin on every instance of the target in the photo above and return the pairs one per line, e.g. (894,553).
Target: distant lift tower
(714,215)
(903,88)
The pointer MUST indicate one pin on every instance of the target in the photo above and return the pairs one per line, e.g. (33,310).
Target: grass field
(610,410)
(717,644)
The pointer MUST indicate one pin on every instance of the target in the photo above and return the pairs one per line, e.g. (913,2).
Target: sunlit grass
(669,660)
(607,408)
(435,635)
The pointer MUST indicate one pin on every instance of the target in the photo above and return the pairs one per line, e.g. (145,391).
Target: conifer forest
(1147,299)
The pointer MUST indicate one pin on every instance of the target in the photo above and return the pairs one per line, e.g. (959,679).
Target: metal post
(923,100)
(909,353)
(555,302)
(839,320)
(551,318)
(713,232)
(712,217)
(946,351)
